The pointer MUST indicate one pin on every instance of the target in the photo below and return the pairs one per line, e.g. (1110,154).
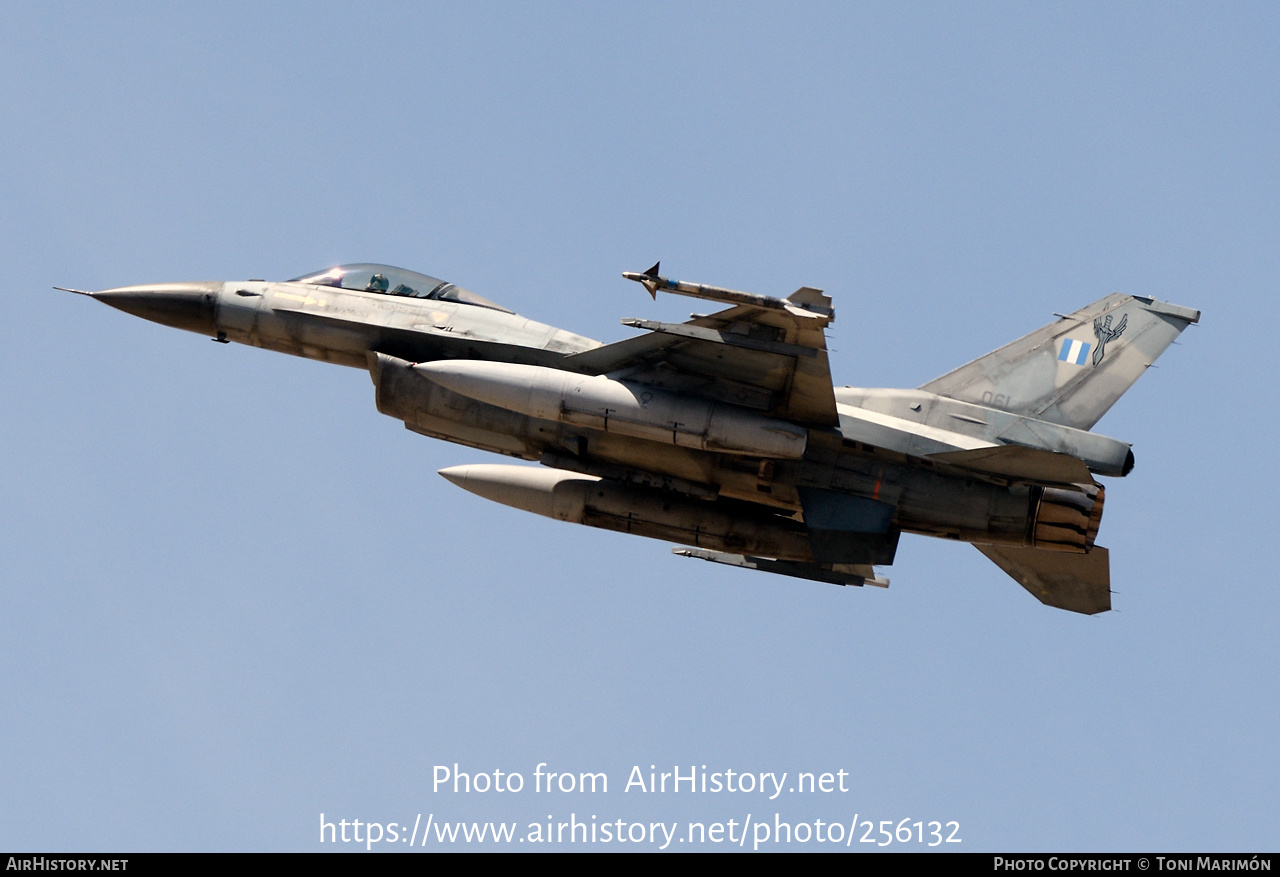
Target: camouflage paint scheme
(724,433)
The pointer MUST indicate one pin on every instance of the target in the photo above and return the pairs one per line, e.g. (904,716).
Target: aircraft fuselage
(682,444)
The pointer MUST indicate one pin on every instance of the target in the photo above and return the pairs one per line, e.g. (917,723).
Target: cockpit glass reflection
(389,280)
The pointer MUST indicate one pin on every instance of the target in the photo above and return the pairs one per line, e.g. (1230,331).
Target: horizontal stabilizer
(1075,582)
(837,574)
(1020,464)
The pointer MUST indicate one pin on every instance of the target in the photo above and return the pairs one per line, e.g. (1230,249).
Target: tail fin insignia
(1074,351)
(1103,332)
(1036,376)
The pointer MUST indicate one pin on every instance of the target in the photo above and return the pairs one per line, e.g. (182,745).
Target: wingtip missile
(649,279)
(805,302)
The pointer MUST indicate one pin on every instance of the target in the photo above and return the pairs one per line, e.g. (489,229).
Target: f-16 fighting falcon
(724,434)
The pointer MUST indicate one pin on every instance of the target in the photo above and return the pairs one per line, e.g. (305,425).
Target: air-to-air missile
(724,433)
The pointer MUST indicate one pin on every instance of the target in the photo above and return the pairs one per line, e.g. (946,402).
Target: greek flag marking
(1074,352)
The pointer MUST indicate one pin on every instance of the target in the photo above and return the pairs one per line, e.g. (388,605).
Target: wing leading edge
(763,353)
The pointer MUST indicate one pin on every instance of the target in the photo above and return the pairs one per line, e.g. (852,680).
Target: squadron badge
(1103,332)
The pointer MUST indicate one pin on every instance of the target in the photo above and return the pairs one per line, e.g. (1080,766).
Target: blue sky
(235,596)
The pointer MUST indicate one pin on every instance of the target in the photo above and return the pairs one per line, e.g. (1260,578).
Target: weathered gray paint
(725,433)
(1029,376)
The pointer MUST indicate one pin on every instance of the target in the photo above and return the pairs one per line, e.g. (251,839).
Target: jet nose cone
(181,305)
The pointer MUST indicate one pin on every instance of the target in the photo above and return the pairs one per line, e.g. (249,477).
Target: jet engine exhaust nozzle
(1067,520)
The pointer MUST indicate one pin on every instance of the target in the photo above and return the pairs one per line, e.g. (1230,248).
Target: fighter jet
(724,434)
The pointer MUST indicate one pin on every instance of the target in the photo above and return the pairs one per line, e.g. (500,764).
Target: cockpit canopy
(388,280)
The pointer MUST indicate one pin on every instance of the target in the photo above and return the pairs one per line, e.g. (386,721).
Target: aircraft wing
(763,353)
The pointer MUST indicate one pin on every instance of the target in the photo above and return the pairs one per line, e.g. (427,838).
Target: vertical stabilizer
(1071,371)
